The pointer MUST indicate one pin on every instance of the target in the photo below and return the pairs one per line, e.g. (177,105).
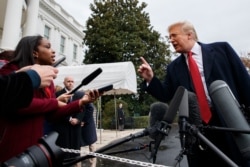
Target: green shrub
(141,122)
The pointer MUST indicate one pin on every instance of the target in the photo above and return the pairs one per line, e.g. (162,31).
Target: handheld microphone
(229,109)
(87,80)
(105,88)
(59,61)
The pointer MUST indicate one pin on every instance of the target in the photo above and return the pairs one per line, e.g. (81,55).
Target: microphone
(194,116)
(59,61)
(87,80)
(189,116)
(167,119)
(105,88)
(229,109)
(183,116)
(156,114)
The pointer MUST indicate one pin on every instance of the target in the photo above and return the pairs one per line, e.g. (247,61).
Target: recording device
(105,88)
(87,80)
(45,154)
(59,61)
(167,119)
(229,109)
(183,116)
(156,114)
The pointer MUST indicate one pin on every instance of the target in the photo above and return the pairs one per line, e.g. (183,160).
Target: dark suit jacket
(89,135)
(77,95)
(69,135)
(220,62)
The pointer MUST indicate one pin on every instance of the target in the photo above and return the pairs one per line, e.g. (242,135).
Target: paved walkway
(106,136)
(169,149)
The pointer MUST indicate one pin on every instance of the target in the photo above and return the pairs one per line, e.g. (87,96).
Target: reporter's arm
(42,74)
(16,91)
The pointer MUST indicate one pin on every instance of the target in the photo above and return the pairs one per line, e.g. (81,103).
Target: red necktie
(199,89)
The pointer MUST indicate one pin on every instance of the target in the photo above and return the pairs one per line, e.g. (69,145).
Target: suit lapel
(208,60)
(182,70)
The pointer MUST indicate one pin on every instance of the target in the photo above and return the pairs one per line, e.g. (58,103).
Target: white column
(30,27)
(12,24)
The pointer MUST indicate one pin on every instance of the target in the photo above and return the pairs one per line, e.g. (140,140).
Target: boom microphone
(87,80)
(229,109)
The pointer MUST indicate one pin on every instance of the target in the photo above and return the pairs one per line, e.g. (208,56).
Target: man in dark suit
(69,128)
(216,61)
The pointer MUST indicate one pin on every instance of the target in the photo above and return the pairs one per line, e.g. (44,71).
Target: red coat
(22,128)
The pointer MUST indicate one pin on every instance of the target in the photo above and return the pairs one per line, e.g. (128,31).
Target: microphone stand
(194,130)
(227,129)
(186,129)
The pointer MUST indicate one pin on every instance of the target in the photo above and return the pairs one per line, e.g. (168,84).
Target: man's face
(179,39)
(69,83)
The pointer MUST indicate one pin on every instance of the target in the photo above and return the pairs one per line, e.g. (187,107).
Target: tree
(119,30)
(246,62)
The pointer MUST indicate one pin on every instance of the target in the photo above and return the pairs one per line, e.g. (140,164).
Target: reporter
(28,122)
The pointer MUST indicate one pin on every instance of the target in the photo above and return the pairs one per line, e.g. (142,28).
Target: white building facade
(19,18)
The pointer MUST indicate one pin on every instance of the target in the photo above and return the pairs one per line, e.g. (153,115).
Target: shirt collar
(196,49)
(66,90)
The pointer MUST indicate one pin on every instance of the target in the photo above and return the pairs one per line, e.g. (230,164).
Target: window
(46,32)
(74,51)
(62,44)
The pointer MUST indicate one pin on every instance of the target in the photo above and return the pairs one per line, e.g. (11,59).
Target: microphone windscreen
(229,110)
(183,108)
(194,110)
(157,112)
(87,80)
(174,105)
(189,108)
(91,76)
